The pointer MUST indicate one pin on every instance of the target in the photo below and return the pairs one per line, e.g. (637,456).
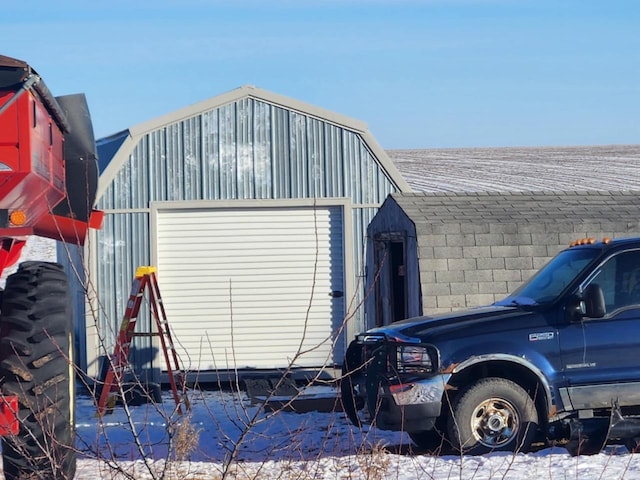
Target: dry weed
(187,438)
(374,463)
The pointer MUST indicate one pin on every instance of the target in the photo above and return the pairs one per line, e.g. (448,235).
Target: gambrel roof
(115,149)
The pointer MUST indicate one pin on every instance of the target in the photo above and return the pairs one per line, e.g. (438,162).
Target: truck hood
(419,327)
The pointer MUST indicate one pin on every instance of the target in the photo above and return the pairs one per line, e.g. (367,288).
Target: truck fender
(502,357)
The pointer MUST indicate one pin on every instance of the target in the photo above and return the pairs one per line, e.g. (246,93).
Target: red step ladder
(118,364)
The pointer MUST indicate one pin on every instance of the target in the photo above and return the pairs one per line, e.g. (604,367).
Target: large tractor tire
(36,337)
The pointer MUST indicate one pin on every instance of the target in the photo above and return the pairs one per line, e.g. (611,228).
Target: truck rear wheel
(493,414)
(36,335)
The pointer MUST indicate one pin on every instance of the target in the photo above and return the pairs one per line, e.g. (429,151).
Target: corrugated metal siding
(123,246)
(157,158)
(262,151)
(248,149)
(280,150)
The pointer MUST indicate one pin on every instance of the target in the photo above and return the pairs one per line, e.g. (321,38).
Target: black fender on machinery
(81,159)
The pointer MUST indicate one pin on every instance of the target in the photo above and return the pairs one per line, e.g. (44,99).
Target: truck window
(546,285)
(619,278)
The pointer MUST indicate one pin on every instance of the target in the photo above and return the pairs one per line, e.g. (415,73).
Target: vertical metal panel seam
(272,156)
(235,144)
(165,163)
(252,135)
(308,146)
(203,177)
(287,147)
(311,187)
(293,170)
(181,160)
(218,155)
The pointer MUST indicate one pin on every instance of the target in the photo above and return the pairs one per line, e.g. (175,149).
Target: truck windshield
(551,280)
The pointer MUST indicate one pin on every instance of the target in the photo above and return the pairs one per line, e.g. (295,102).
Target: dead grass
(186,440)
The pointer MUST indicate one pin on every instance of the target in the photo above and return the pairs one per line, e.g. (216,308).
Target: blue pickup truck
(558,360)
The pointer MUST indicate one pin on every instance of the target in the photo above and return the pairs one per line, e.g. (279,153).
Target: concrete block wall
(472,264)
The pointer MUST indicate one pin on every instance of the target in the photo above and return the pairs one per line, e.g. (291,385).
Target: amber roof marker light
(589,241)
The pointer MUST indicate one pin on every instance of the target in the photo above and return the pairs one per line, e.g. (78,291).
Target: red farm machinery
(48,183)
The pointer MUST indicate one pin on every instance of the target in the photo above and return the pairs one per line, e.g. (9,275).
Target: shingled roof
(520,207)
(612,168)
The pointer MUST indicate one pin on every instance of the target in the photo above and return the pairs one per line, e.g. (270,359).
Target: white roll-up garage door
(258,287)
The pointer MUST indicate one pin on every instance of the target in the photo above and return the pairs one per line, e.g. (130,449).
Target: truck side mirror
(590,303)
(575,309)
(594,301)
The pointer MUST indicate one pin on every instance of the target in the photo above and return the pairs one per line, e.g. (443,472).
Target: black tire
(429,440)
(351,403)
(633,444)
(493,414)
(36,337)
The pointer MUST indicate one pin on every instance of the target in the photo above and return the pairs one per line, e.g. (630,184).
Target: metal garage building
(254,208)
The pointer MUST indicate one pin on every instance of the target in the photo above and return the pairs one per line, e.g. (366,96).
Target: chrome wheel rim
(495,423)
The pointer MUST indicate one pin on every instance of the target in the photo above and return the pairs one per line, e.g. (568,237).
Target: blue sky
(420,73)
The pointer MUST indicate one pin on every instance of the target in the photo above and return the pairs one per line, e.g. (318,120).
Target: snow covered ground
(289,445)
(36,248)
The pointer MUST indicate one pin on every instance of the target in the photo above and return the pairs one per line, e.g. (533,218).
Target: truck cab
(556,359)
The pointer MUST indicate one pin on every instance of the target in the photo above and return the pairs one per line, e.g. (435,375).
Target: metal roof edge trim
(385,162)
(253,92)
(306,108)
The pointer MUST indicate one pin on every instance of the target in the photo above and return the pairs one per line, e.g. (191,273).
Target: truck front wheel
(36,334)
(492,414)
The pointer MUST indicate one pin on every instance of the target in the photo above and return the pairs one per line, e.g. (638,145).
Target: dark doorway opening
(391,283)
(398,282)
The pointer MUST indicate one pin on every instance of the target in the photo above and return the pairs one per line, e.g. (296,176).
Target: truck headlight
(414,359)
